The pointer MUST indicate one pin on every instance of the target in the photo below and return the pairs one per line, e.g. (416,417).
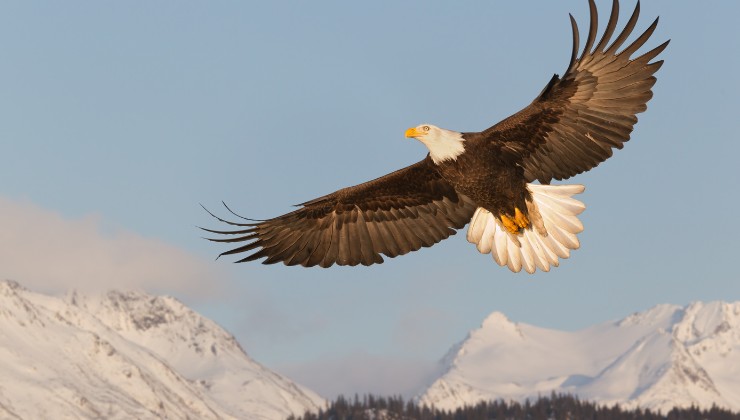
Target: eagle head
(443,144)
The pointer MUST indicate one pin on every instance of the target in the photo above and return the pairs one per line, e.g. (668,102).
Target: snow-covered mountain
(664,357)
(129,355)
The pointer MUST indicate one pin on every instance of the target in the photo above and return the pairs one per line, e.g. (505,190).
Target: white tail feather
(529,249)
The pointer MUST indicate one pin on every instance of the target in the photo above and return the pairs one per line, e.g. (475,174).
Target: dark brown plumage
(392,215)
(577,119)
(571,127)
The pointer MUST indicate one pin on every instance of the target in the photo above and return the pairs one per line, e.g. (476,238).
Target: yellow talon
(515,224)
(509,224)
(520,219)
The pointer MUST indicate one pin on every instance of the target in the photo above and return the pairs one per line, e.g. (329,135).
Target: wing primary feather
(240,216)
(243,248)
(626,31)
(227,232)
(654,53)
(639,42)
(269,233)
(593,28)
(576,42)
(232,240)
(610,27)
(257,255)
(301,254)
(228,222)
(284,249)
(625,120)
(617,81)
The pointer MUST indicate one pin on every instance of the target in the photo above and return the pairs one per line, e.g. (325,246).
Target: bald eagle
(483,178)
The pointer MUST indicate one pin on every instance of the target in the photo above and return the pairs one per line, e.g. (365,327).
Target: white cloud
(49,253)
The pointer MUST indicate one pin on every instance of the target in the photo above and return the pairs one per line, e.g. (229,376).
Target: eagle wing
(391,215)
(578,119)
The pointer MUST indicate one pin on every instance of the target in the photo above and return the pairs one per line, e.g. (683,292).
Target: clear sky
(118,118)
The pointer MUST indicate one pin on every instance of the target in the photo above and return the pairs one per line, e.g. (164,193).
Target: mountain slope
(664,357)
(129,355)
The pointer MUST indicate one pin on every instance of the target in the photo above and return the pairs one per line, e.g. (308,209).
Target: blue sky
(118,118)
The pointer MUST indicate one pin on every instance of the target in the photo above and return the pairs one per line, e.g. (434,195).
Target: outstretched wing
(392,215)
(578,119)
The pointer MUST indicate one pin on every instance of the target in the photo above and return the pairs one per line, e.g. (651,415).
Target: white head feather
(442,144)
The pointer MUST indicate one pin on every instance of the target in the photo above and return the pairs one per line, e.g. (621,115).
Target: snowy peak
(497,322)
(129,355)
(666,356)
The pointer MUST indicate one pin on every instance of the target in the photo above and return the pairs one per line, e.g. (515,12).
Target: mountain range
(664,357)
(135,355)
(130,355)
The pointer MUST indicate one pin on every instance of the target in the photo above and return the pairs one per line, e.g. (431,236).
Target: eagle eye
(425,128)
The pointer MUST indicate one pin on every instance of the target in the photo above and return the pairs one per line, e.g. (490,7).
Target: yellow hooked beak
(414,132)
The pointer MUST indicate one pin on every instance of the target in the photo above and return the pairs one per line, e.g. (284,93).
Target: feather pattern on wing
(577,120)
(392,215)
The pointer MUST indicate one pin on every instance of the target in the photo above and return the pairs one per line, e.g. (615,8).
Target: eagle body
(497,181)
(486,176)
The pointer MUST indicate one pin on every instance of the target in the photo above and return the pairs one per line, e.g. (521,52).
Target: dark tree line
(554,407)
